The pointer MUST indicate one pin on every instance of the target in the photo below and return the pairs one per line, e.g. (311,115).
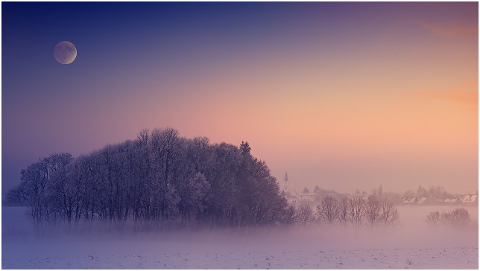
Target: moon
(65,52)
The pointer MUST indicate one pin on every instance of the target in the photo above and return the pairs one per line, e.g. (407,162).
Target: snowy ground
(413,246)
(435,258)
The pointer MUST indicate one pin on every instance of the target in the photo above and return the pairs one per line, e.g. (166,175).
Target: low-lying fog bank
(20,244)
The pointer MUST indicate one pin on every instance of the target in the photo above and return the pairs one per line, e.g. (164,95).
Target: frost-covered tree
(328,210)
(193,193)
(343,210)
(304,214)
(289,215)
(372,210)
(389,215)
(356,207)
(433,218)
(35,185)
(457,218)
(157,177)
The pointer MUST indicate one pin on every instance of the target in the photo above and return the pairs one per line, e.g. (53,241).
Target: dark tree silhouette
(159,177)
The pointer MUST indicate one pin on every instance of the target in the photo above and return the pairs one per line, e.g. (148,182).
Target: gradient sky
(340,95)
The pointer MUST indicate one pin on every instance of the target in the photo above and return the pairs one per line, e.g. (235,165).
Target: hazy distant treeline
(159,176)
(373,211)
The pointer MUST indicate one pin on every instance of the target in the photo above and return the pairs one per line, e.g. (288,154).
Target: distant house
(452,201)
(364,195)
(470,199)
(422,200)
(307,197)
(409,200)
(292,200)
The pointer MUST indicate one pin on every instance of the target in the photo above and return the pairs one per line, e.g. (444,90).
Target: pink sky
(340,95)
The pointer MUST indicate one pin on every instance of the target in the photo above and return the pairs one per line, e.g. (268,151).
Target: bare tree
(289,215)
(456,218)
(372,210)
(328,211)
(192,194)
(356,206)
(433,218)
(304,214)
(388,213)
(37,179)
(343,210)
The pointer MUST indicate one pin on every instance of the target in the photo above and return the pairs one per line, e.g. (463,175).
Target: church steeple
(286,182)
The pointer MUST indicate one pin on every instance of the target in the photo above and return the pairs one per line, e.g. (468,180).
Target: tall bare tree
(356,207)
(343,210)
(304,214)
(372,210)
(388,213)
(328,211)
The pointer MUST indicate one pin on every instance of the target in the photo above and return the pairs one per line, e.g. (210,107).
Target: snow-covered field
(413,245)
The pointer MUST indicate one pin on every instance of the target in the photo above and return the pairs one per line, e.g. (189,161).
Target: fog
(20,240)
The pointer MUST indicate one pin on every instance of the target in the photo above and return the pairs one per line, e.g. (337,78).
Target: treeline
(357,211)
(458,218)
(158,177)
(433,195)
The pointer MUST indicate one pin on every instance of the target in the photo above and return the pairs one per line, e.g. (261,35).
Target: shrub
(455,218)
(433,218)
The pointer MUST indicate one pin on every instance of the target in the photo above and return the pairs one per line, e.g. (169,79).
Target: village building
(410,200)
(454,201)
(469,199)
(422,200)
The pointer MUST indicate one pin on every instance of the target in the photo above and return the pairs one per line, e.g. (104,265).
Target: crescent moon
(65,52)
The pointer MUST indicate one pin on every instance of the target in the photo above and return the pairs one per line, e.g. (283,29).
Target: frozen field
(412,245)
(430,258)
